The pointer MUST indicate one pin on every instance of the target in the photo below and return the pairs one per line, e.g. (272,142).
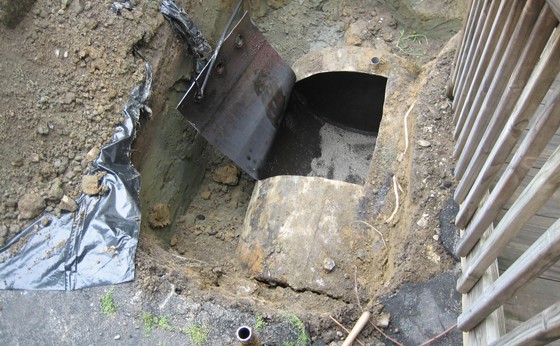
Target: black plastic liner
(188,32)
(95,245)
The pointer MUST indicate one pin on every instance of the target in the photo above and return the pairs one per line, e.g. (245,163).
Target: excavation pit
(291,238)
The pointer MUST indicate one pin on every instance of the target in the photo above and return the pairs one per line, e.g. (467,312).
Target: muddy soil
(69,66)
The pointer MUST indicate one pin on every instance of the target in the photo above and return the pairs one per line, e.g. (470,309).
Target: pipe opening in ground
(330,127)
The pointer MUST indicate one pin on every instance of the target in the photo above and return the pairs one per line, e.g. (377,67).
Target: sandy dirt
(68,70)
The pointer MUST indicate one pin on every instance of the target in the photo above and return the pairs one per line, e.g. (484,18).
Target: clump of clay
(160,216)
(226,174)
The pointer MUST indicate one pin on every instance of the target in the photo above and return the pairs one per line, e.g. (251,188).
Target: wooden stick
(536,260)
(344,328)
(357,328)
(538,330)
(478,146)
(396,191)
(532,145)
(406,128)
(533,197)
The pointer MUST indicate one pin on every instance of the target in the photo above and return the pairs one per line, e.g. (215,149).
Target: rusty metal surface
(244,100)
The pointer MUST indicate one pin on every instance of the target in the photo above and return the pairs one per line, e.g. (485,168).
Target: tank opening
(330,127)
(351,100)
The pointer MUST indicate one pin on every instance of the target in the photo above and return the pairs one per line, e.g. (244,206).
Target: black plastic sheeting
(188,33)
(95,245)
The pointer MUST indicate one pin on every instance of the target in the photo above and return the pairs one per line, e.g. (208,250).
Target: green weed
(408,44)
(197,333)
(152,321)
(298,328)
(259,322)
(108,304)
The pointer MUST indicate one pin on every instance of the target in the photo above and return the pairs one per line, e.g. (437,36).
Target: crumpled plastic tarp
(95,245)
(188,32)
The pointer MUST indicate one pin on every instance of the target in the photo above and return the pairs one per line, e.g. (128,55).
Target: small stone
(423,222)
(227,174)
(206,195)
(17,162)
(55,192)
(436,237)
(35,158)
(43,129)
(90,185)
(383,320)
(30,205)
(3,233)
(174,240)
(83,53)
(92,154)
(328,264)
(424,143)
(160,216)
(361,254)
(117,337)
(68,98)
(67,204)
(46,221)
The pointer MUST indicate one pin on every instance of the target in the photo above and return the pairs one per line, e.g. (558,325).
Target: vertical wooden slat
(541,329)
(537,259)
(495,22)
(476,152)
(534,142)
(535,195)
(460,48)
(489,101)
(482,82)
(466,62)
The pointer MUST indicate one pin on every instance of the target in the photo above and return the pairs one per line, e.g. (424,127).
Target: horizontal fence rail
(506,102)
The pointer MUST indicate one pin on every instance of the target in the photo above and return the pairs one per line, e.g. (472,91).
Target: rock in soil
(30,205)
(226,174)
(68,204)
(90,185)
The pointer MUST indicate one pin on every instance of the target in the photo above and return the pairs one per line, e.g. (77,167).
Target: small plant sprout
(108,304)
(298,328)
(198,334)
(152,321)
(405,43)
(259,322)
